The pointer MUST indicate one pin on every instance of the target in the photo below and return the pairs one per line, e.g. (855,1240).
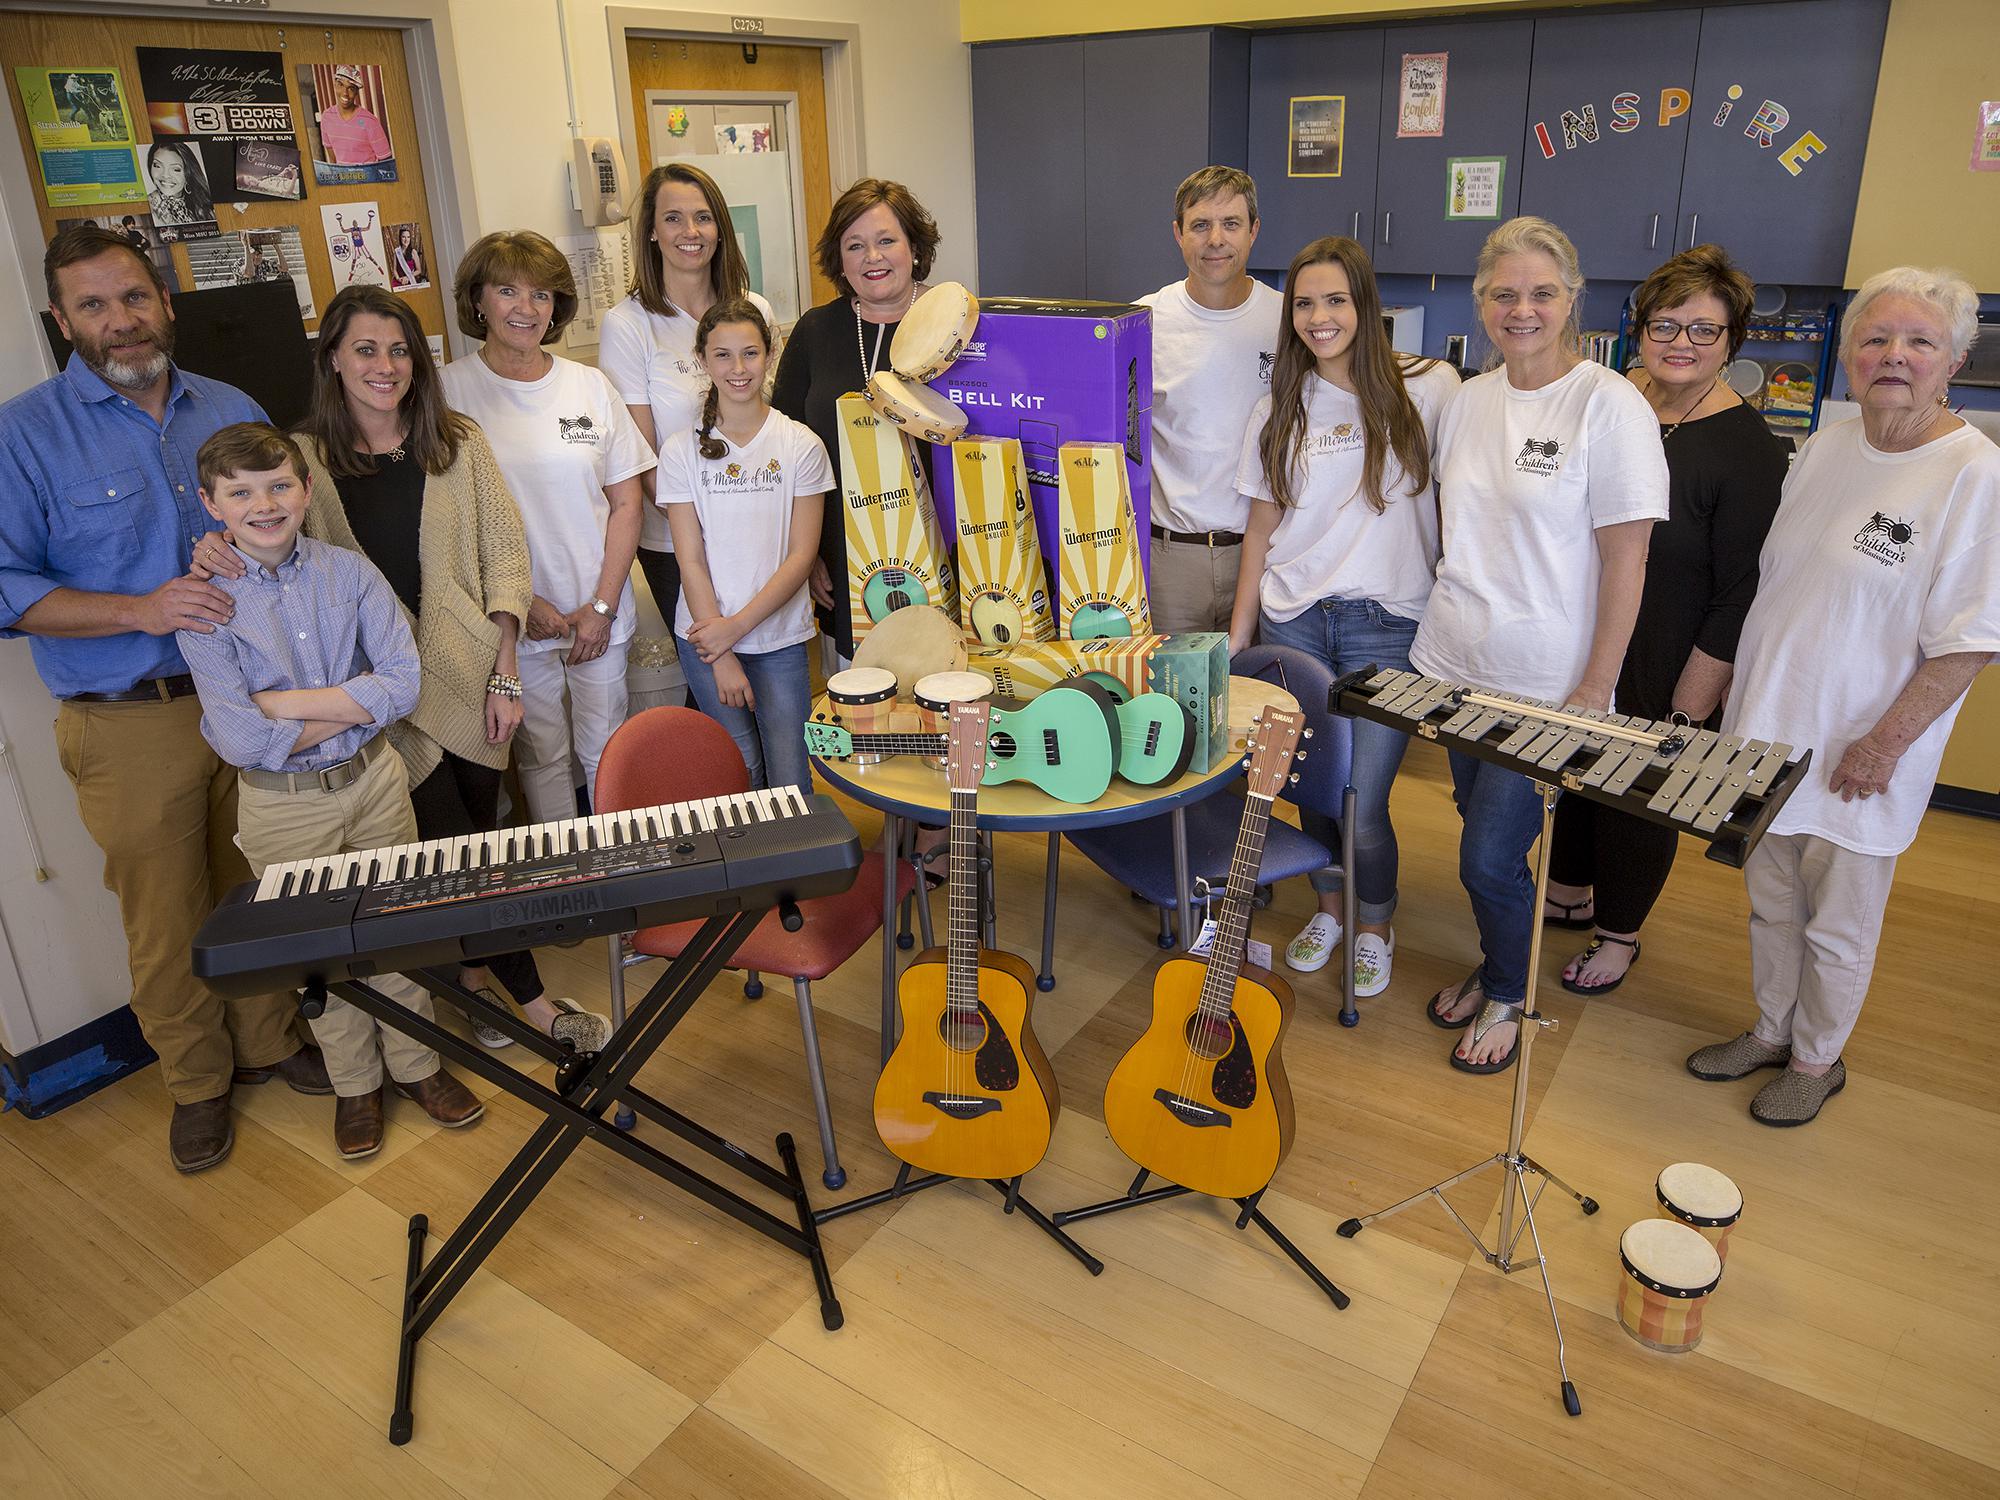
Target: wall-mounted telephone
(597,180)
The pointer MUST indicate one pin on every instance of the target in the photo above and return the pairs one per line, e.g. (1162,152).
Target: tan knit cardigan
(473,562)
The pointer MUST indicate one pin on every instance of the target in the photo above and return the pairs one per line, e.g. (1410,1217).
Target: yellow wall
(997,20)
(1919,201)
(1972,758)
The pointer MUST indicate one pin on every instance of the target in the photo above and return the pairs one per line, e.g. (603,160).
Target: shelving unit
(1817,331)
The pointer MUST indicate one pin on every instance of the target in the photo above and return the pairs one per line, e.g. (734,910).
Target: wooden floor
(233,1333)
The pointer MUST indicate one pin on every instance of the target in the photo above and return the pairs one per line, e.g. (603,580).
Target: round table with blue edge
(906,788)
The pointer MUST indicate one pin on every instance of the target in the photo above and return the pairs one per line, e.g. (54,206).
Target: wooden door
(1347,64)
(65,41)
(1614,180)
(672,63)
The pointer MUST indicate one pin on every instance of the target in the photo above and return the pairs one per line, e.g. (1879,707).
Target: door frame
(839,43)
(788,101)
(432,59)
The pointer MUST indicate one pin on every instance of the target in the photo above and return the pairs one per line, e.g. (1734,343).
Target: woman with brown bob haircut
(687,260)
(877,248)
(1724,471)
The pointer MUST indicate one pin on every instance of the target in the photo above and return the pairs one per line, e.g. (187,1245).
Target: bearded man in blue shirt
(100,509)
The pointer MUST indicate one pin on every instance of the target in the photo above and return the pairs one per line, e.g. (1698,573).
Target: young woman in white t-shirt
(1340,545)
(686,260)
(1550,477)
(744,492)
(572,458)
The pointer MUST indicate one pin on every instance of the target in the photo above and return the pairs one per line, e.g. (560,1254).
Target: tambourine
(934,332)
(917,409)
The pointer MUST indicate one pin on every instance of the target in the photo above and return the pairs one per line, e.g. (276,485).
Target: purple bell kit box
(1050,372)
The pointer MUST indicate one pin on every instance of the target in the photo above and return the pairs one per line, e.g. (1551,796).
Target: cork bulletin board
(72,41)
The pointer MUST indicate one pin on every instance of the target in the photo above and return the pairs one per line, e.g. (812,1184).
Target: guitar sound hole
(1001,743)
(962,1030)
(1209,1036)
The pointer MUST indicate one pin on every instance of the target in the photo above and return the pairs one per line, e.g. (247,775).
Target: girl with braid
(743,492)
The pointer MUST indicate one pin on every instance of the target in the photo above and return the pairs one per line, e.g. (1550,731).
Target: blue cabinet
(1485,114)
(1286,65)
(1028,180)
(1598,159)
(1778,127)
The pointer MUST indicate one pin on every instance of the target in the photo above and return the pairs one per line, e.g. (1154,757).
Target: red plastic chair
(676,755)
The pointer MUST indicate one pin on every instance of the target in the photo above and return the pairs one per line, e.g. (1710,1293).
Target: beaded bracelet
(504,686)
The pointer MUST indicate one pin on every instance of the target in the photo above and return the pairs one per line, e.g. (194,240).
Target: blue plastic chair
(1141,855)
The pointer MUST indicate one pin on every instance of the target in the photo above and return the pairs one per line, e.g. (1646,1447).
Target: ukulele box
(1101,585)
(1192,668)
(1002,590)
(1048,371)
(895,552)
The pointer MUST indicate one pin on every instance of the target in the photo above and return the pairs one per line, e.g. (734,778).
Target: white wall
(62,954)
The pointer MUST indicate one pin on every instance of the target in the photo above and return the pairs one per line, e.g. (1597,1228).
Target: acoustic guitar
(1066,742)
(1201,1098)
(967,1091)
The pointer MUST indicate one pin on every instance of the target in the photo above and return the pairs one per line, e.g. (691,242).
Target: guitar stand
(1009,1190)
(1513,1161)
(1251,1214)
(586,1085)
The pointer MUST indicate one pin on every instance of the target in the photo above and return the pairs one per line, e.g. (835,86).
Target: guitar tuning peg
(1293,778)
(1300,757)
(1305,734)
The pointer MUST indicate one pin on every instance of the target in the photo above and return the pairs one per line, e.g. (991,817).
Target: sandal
(1596,946)
(1437,1020)
(1492,1013)
(1569,919)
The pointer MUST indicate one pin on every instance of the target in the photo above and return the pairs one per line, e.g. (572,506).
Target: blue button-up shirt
(95,495)
(325,618)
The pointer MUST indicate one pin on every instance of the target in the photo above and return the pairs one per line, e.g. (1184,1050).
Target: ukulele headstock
(828,741)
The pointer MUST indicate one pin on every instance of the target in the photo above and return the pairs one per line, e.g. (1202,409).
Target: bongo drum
(863,698)
(935,695)
(934,332)
(914,407)
(1669,1272)
(1703,1199)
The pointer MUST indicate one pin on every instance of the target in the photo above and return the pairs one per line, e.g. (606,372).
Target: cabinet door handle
(1385,225)
(1653,240)
(1694,231)
(1357,224)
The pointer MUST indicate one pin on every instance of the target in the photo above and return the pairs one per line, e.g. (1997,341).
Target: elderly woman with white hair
(1551,476)
(1880,602)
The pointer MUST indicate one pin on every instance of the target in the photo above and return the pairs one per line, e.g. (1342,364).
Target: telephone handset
(597,178)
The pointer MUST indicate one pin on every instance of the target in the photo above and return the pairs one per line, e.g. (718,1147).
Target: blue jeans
(1347,635)
(772,735)
(1503,815)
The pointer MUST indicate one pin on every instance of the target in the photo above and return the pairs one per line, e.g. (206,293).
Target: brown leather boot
(304,1072)
(357,1124)
(200,1134)
(444,1099)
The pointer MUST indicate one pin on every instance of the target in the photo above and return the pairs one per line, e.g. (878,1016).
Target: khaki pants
(367,814)
(1815,918)
(1193,585)
(162,807)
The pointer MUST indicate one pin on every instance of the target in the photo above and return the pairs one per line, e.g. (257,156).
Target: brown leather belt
(1203,538)
(152,690)
(342,773)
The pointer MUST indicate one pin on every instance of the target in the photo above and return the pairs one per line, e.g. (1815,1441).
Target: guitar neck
(963,934)
(1225,960)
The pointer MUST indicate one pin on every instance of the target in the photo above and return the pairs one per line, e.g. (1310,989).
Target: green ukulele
(1065,742)
(1155,732)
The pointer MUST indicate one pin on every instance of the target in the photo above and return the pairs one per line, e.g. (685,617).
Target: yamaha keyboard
(350,916)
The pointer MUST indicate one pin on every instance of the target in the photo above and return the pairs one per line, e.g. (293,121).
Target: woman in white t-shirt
(1340,545)
(686,260)
(572,457)
(1550,476)
(744,492)
(1879,603)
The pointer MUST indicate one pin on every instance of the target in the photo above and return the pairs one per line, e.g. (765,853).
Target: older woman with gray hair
(1879,603)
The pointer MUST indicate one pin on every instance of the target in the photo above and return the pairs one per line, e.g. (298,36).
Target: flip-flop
(1591,952)
(1491,1014)
(1431,1008)
(1574,924)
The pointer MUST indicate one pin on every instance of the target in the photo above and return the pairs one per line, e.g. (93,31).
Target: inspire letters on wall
(1580,126)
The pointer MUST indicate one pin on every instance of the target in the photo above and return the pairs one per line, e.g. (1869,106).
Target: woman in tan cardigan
(413,486)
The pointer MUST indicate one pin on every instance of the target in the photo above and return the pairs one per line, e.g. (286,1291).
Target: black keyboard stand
(586,1086)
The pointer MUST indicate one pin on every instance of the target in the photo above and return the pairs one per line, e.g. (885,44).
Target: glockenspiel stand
(1517,1204)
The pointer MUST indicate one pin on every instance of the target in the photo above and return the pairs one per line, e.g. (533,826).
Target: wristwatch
(598,606)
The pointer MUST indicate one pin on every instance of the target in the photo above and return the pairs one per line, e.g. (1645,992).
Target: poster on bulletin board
(1420,95)
(83,137)
(1472,186)
(1986,137)
(1314,137)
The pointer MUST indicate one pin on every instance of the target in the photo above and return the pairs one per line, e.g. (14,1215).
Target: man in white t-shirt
(1214,337)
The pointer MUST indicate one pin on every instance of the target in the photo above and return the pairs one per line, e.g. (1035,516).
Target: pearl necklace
(868,362)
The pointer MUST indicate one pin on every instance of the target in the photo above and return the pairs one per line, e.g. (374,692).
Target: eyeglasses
(1666,330)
